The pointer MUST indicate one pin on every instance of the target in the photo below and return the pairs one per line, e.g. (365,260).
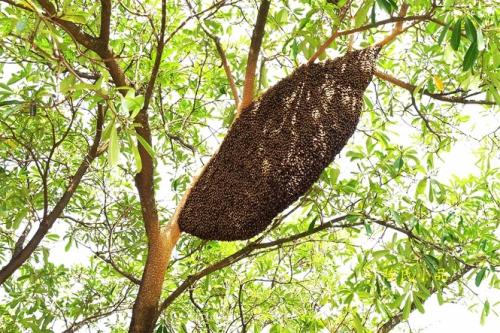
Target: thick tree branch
(146,303)
(441,96)
(73,29)
(253,55)
(45,225)
(245,251)
(105,21)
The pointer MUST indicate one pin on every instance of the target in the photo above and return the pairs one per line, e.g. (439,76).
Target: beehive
(278,148)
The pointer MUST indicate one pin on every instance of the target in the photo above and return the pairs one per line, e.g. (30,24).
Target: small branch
(398,27)
(442,96)
(342,14)
(424,118)
(253,55)
(394,320)
(47,222)
(113,264)
(225,64)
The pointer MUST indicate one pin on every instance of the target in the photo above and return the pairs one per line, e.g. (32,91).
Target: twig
(342,14)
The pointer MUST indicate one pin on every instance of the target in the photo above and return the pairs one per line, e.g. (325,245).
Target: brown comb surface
(278,148)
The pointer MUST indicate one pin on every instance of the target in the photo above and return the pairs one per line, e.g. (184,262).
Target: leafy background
(387,226)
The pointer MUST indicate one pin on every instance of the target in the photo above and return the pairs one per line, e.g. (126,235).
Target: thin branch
(398,27)
(113,264)
(47,222)
(442,96)
(336,34)
(341,15)
(397,318)
(225,63)
(253,55)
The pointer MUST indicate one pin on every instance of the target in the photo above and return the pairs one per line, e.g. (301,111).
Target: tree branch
(105,21)
(442,96)
(113,264)
(398,27)
(397,318)
(245,251)
(44,226)
(342,14)
(146,303)
(225,64)
(253,55)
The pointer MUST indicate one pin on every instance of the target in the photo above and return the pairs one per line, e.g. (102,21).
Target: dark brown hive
(278,148)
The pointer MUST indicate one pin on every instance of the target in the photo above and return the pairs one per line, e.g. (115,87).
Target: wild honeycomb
(278,148)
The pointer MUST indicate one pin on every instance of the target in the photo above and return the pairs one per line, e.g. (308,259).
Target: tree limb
(442,96)
(398,27)
(253,55)
(105,21)
(47,222)
(146,302)
(245,251)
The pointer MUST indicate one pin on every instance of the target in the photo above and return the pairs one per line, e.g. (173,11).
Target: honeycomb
(277,148)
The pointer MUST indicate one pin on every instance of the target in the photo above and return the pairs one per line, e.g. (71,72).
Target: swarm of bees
(278,148)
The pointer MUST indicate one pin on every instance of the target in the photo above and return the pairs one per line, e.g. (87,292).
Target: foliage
(381,231)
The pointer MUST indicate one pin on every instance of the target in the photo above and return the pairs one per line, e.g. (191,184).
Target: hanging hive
(278,148)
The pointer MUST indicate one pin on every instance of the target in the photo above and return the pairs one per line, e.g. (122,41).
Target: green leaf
(135,152)
(361,14)
(107,131)
(418,304)
(485,312)
(67,84)
(114,147)
(480,40)
(68,244)
(455,35)
(313,222)
(398,163)
(368,228)
(470,56)
(76,18)
(358,326)
(53,237)
(385,5)
(407,308)
(373,15)
(480,276)
(431,262)
(380,254)
(421,187)
(470,30)
(442,35)
(145,145)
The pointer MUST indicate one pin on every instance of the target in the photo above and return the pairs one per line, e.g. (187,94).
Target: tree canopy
(108,109)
